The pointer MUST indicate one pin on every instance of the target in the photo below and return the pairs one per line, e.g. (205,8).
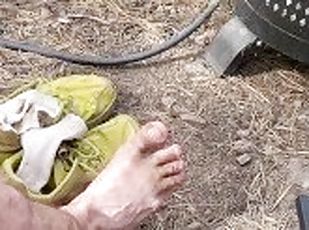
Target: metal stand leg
(233,38)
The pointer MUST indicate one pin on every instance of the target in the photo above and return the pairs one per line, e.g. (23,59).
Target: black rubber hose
(100,61)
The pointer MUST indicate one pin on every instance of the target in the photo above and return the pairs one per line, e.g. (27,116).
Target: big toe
(151,135)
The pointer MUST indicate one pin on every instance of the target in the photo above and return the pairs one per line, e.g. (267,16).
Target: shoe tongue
(40,148)
(22,113)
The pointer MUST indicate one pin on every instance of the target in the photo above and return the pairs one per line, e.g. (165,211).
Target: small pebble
(168,101)
(244,159)
(195,226)
(176,110)
(196,68)
(243,133)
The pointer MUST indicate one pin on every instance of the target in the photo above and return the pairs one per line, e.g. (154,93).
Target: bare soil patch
(261,111)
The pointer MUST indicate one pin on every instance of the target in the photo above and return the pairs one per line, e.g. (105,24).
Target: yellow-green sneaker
(78,164)
(89,96)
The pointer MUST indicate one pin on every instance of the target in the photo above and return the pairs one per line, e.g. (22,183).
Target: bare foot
(137,182)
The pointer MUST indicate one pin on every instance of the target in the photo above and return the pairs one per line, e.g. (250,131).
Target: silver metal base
(233,38)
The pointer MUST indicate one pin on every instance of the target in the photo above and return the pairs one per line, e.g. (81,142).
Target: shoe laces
(88,155)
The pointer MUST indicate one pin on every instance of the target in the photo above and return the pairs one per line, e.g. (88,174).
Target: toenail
(154,132)
(181,165)
(183,178)
(177,149)
(177,168)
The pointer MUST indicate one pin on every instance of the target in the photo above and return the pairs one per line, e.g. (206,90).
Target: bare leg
(137,181)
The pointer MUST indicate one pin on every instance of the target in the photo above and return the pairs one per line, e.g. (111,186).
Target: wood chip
(192,118)
(243,146)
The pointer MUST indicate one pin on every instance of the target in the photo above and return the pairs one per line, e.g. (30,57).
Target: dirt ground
(262,110)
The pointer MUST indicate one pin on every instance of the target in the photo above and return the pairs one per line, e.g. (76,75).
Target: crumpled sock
(21,113)
(40,146)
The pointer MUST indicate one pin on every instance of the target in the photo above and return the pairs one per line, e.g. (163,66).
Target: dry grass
(262,110)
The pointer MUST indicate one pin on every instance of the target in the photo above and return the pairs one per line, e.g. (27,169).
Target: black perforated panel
(283,24)
(290,15)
